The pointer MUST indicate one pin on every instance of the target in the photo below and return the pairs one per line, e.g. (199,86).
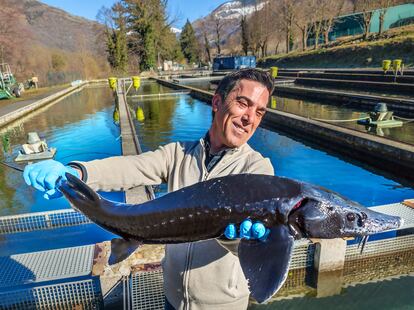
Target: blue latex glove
(248,230)
(43,176)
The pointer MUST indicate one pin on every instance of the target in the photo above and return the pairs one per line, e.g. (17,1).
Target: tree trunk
(277,48)
(303,30)
(367,23)
(381,21)
(317,33)
(326,36)
(288,37)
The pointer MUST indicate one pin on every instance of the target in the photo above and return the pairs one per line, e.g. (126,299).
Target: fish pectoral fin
(266,263)
(121,249)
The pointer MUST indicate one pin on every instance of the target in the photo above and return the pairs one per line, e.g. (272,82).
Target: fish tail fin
(80,195)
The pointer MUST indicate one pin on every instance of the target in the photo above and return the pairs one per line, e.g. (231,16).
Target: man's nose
(249,116)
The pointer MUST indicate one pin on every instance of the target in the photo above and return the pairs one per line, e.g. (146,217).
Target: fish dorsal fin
(266,263)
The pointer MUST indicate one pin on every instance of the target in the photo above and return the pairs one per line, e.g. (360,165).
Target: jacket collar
(205,143)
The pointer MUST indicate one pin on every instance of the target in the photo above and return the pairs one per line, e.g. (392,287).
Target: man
(204,274)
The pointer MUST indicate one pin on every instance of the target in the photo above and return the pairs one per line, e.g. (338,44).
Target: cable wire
(339,120)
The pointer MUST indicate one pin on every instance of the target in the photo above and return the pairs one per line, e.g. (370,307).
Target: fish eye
(350,217)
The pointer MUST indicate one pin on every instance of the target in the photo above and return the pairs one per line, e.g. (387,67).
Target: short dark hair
(232,79)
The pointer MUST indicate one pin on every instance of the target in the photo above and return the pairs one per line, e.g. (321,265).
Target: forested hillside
(39,40)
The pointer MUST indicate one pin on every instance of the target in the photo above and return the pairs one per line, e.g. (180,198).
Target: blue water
(185,118)
(81,128)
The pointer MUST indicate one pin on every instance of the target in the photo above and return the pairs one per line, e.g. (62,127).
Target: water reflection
(168,119)
(326,112)
(185,118)
(80,127)
(150,87)
(379,295)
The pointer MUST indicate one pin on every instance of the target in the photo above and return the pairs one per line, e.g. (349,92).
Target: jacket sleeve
(124,172)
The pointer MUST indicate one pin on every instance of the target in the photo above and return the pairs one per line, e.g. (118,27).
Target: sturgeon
(289,209)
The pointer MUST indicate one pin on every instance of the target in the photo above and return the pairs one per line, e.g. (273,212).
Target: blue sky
(191,9)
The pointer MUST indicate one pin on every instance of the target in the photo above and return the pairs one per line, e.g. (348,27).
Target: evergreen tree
(116,39)
(245,35)
(120,40)
(150,37)
(189,43)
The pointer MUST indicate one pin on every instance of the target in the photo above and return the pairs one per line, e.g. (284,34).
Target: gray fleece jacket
(197,275)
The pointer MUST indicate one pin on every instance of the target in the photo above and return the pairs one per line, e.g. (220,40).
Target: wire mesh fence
(84,294)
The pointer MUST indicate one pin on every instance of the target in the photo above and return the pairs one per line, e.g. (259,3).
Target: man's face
(237,118)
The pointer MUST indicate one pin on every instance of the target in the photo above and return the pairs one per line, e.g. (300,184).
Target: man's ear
(216,102)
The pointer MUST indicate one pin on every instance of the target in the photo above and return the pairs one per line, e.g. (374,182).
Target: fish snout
(379,222)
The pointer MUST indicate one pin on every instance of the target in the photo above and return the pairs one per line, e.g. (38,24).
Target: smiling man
(237,114)
(204,274)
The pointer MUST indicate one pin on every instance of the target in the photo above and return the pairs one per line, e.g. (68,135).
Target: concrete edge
(13,116)
(130,144)
(397,103)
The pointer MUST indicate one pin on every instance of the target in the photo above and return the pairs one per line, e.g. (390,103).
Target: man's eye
(242,103)
(260,113)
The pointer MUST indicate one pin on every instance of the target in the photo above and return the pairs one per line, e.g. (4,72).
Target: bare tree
(366,8)
(305,18)
(383,8)
(218,28)
(285,10)
(205,41)
(260,29)
(330,10)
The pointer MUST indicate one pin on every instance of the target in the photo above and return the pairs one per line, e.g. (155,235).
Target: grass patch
(33,93)
(352,52)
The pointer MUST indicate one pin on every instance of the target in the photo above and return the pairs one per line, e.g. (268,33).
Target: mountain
(233,10)
(41,40)
(56,28)
(227,16)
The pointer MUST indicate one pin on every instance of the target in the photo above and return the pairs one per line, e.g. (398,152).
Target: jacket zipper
(188,256)
(186,277)
(189,248)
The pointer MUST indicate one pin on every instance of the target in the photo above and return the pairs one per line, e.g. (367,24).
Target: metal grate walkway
(49,280)
(46,266)
(147,291)
(398,209)
(41,221)
(85,294)
(380,247)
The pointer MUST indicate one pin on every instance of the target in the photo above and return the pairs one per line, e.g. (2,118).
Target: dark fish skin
(290,209)
(185,215)
(203,210)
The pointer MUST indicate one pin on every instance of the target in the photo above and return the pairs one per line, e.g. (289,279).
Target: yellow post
(273,71)
(396,65)
(140,114)
(136,82)
(273,103)
(115,116)
(386,64)
(112,82)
